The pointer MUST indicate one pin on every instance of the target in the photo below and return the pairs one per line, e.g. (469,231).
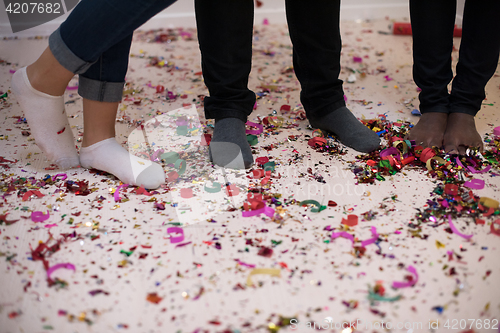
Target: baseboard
(169,19)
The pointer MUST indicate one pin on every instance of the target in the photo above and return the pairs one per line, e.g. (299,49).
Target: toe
(152,177)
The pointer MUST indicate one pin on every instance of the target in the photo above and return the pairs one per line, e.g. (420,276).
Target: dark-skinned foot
(429,131)
(461,133)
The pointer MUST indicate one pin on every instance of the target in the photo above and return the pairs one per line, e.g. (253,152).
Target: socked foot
(229,147)
(47,120)
(108,155)
(430,129)
(461,133)
(349,130)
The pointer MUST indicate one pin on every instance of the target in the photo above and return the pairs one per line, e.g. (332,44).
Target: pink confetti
(411,283)
(343,234)
(116,195)
(455,230)
(50,225)
(176,230)
(264,210)
(387,78)
(496,131)
(471,169)
(62,175)
(72,88)
(260,128)
(39,216)
(357,59)
(390,151)
(476,184)
(245,264)
(186,193)
(371,240)
(58,266)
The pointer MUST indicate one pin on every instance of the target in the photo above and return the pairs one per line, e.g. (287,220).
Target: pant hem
(435,109)
(321,112)
(221,114)
(100,91)
(65,56)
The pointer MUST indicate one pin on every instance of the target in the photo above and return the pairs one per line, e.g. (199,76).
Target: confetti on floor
(314,235)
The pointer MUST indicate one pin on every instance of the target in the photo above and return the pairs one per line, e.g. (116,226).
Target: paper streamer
(371,240)
(318,208)
(170,157)
(492,227)
(180,165)
(496,131)
(476,184)
(62,175)
(58,266)
(268,271)
(252,139)
(245,264)
(28,194)
(264,210)
(488,202)
(405,144)
(39,216)
(407,284)
(437,159)
(390,151)
(317,141)
(471,169)
(260,128)
(343,234)
(116,195)
(455,230)
(216,187)
(351,220)
(176,230)
(376,297)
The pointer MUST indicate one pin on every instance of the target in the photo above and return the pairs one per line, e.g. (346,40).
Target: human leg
(225,29)
(478,60)
(432,27)
(104,75)
(315,34)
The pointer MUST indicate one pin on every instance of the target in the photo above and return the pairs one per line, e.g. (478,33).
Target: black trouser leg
(315,34)
(478,59)
(225,32)
(432,24)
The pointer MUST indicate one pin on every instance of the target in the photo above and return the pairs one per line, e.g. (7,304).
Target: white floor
(203,285)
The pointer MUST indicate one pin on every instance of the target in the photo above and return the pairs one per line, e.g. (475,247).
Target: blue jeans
(95,40)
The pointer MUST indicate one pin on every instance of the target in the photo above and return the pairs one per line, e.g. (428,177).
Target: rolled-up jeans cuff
(100,91)
(65,56)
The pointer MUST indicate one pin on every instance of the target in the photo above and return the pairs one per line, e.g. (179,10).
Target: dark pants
(225,30)
(95,40)
(432,24)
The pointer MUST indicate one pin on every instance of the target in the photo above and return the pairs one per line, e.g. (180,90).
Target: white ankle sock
(47,120)
(108,155)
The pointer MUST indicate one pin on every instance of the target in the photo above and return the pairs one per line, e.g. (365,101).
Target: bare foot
(429,131)
(461,133)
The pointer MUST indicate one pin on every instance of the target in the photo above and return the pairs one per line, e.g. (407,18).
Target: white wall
(182,14)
